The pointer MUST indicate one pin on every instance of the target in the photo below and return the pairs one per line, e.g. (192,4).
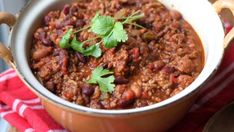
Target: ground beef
(155,63)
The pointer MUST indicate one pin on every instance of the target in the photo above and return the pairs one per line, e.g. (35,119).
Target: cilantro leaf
(119,33)
(102,25)
(64,42)
(95,17)
(93,50)
(77,46)
(106,84)
(98,73)
(105,72)
(110,41)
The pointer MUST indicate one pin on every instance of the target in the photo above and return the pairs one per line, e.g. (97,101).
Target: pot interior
(199,13)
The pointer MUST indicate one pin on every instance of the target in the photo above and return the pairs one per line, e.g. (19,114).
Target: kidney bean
(51,86)
(40,53)
(80,23)
(41,35)
(168,69)
(127,99)
(73,9)
(100,105)
(66,9)
(80,57)
(121,80)
(125,103)
(128,95)
(67,23)
(158,65)
(46,41)
(58,24)
(47,19)
(63,60)
(87,90)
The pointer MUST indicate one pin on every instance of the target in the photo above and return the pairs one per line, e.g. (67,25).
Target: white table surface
(4,126)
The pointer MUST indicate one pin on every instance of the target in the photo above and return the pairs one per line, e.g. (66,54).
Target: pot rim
(26,75)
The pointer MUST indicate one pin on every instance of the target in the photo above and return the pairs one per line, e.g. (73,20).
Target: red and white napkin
(22,109)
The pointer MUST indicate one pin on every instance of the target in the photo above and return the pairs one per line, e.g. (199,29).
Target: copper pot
(158,117)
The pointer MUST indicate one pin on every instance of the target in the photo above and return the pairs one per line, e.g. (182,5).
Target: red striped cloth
(22,109)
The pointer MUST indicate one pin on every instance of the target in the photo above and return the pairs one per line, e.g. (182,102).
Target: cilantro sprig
(104,78)
(64,42)
(108,29)
(112,31)
(93,50)
(102,25)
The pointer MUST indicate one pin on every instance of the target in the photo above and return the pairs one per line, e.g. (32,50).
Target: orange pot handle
(5,54)
(219,6)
